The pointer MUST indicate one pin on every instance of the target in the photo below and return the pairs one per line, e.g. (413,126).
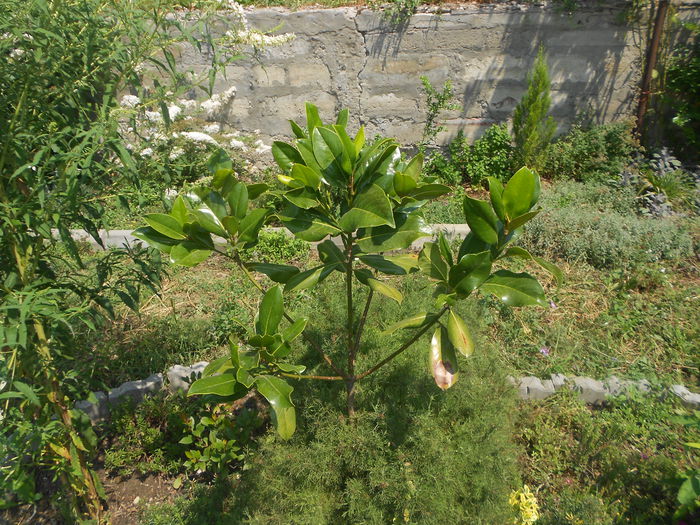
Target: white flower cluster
(197,136)
(212,107)
(243,34)
(130,101)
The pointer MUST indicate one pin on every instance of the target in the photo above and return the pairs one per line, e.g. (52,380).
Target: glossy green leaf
(443,360)
(244,377)
(312,118)
(519,221)
(216,203)
(208,221)
(471,244)
(370,208)
(415,321)
(230,224)
(165,225)
(250,225)
(431,262)
(415,167)
(238,200)
(270,312)
(294,330)
(219,165)
(279,394)
(257,189)
(342,119)
(689,491)
(496,195)
(155,239)
(307,176)
(307,225)
(248,357)
(188,254)
(328,151)
(409,227)
(329,253)
(279,273)
(481,219)
(302,198)
(297,130)
(429,191)
(403,184)
(309,278)
(286,155)
(385,289)
(470,272)
(359,140)
(292,369)
(445,249)
(392,265)
(515,289)
(220,385)
(553,269)
(459,334)
(521,193)
(179,210)
(218,366)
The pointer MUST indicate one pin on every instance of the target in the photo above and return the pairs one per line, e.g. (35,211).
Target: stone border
(530,388)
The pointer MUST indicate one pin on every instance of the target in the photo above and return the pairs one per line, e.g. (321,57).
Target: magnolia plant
(360,202)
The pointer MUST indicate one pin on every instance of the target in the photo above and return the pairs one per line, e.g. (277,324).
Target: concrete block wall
(354,58)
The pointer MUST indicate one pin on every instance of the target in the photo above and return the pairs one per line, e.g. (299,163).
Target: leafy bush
(489,156)
(594,224)
(596,154)
(682,83)
(532,128)
(278,247)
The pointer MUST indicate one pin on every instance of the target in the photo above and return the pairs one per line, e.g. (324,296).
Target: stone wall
(355,58)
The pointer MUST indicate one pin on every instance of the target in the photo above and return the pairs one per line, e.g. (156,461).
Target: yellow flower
(525,503)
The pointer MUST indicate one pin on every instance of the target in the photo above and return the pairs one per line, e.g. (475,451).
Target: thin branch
(361,326)
(321,378)
(404,346)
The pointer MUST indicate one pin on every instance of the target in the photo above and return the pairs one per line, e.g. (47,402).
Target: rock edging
(530,388)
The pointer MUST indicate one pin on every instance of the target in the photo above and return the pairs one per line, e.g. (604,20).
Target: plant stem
(404,346)
(361,326)
(320,378)
(350,321)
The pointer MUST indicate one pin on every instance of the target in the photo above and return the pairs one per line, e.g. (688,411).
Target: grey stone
(643,386)
(179,376)
(136,390)
(615,386)
(687,397)
(97,411)
(530,387)
(692,400)
(558,380)
(590,390)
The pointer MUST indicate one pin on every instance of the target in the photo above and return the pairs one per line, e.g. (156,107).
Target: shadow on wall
(487,51)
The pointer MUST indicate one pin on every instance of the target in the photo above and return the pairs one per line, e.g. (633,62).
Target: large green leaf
(414,167)
(294,330)
(307,176)
(553,269)
(481,219)
(429,191)
(521,193)
(403,184)
(179,210)
(286,155)
(188,254)
(515,289)
(470,272)
(279,394)
(370,158)
(302,198)
(459,334)
(328,152)
(312,118)
(218,366)
(496,195)
(209,221)
(431,262)
(309,278)
(250,225)
(270,312)
(371,208)
(307,225)
(329,253)
(385,289)
(248,358)
(221,385)
(415,321)
(238,200)
(280,273)
(409,227)
(216,203)
(219,165)
(165,225)
(154,238)
(443,360)
(392,264)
